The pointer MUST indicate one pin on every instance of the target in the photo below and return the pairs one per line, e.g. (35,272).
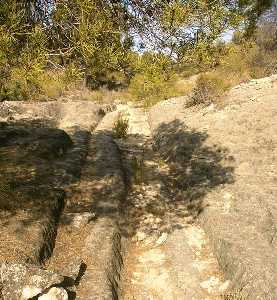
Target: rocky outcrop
(224,160)
(103,182)
(54,294)
(21,281)
(38,164)
(31,200)
(83,115)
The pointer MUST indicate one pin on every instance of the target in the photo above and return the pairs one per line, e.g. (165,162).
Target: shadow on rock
(195,167)
(35,166)
(102,186)
(175,177)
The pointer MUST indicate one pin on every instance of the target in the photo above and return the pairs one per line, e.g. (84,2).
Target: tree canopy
(95,39)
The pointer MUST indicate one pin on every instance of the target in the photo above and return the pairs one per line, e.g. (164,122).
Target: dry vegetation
(120,128)
(244,60)
(49,49)
(237,62)
(240,61)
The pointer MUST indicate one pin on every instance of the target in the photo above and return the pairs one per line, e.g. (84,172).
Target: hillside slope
(225,160)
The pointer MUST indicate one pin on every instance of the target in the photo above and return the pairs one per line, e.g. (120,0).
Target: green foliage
(252,10)
(253,58)
(120,128)
(22,53)
(92,36)
(83,40)
(178,24)
(150,88)
(47,46)
(153,80)
(244,60)
(202,56)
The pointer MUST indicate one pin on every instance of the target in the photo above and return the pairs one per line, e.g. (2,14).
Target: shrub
(264,63)
(51,85)
(20,85)
(153,78)
(105,95)
(208,87)
(120,128)
(244,60)
(151,88)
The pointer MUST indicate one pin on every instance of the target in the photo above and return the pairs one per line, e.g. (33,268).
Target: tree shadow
(37,162)
(195,167)
(102,186)
(186,168)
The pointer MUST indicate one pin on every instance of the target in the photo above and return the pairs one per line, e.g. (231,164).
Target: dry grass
(184,86)
(208,87)
(235,296)
(107,96)
(102,95)
(243,61)
(120,128)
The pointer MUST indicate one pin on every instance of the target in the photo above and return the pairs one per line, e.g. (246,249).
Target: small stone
(189,219)
(30,292)
(158,220)
(78,220)
(74,269)
(83,219)
(140,236)
(55,294)
(154,226)
(224,286)
(227,196)
(211,107)
(162,238)
(211,284)
(19,280)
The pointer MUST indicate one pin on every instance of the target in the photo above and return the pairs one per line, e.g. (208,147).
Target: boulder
(26,281)
(78,220)
(55,293)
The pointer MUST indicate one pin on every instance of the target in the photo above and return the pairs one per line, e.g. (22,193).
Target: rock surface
(225,159)
(30,195)
(78,220)
(94,207)
(55,294)
(213,167)
(38,162)
(25,281)
(168,258)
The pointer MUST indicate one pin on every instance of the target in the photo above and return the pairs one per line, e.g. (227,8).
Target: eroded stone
(55,294)
(26,281)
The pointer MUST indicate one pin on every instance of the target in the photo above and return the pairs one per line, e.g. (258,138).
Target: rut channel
(169,256)
(123,233)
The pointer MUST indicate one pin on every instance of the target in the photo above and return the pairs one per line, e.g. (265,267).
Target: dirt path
(169,256)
